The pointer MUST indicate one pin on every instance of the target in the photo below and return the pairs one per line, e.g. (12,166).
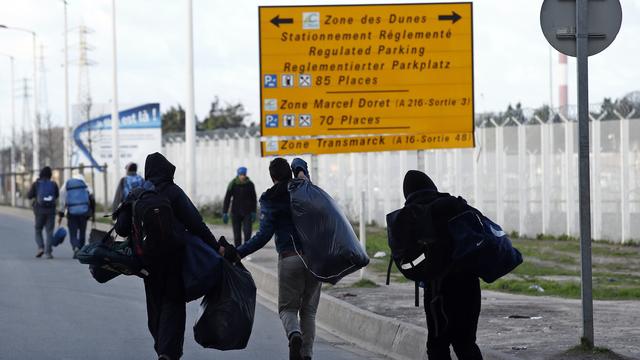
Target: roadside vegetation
(551,267)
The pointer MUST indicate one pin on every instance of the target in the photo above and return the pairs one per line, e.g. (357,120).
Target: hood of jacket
(277,194)
(158,169)
(424,196)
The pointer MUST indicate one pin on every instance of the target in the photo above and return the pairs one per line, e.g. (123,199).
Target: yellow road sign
(366,69)
(375,143)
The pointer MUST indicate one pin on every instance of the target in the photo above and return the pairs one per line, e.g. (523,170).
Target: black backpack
(152,231)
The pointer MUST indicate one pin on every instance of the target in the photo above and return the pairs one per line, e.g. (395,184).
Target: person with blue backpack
(445,245)
(452,294)
(128,182)
(44,192)
(76,201)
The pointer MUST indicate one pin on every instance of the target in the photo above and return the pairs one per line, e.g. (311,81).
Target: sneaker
(40,253)
(49,256)
(75,252)
(295,346)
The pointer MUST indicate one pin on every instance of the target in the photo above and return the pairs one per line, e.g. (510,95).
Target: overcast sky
(511,54)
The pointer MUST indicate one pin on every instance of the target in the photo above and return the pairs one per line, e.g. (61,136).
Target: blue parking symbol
(270,81)
(271,121)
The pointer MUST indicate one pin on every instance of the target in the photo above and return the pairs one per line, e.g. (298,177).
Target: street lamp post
(36,122)
(115,118)
(190,126)
(13,132)
(67,136)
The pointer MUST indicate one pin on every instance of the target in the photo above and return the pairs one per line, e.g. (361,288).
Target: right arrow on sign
(453,17)
(277,21)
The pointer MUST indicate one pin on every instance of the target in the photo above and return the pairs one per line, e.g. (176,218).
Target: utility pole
(190,123)
(66,153)
(115,118)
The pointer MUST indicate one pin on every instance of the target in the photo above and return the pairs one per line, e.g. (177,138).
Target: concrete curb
(374,332)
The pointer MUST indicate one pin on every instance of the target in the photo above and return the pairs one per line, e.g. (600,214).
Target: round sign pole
(582,49)
(565,24)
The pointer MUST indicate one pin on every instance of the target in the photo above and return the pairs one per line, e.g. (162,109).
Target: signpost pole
(582,43)
(115,118)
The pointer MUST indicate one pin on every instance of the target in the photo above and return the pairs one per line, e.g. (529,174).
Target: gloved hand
(253,217)
(230,252)
(225,218)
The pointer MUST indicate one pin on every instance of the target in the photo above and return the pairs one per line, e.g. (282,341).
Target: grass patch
(546,256)
(364,283)
(565,289)
(530,268)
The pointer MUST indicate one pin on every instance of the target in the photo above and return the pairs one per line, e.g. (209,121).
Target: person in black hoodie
(164,288)
(454,321)
(298,290)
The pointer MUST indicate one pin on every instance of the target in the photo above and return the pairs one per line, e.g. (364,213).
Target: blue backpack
(131,182)
(77,200)
(46,193)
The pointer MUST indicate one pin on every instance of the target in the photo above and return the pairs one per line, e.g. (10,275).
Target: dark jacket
(275,219)
(160,172)
(33,194)
(244,197)
(447,207)
(452,305)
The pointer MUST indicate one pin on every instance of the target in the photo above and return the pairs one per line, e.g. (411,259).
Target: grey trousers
(47,222)
(298,294)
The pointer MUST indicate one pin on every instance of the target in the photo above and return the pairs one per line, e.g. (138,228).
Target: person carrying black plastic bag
(164,286)
(298,290)
(452,304)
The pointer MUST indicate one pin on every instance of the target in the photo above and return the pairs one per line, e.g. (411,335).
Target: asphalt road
(53,309)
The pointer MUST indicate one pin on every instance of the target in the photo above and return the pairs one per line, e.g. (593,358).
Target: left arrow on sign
(277,21)
(454,17)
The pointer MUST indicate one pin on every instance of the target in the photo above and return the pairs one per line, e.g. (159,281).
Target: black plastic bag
(226,313)
(331,248)
(102,274)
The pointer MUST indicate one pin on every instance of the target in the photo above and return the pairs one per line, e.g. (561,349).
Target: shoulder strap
(389,269)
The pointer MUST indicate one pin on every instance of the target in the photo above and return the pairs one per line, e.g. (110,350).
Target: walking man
(298,290)
(77,202)
(127,183)
(452,303)
(164,288)
(44,193)
(241,196)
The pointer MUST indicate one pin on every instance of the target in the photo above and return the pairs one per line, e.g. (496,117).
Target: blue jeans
(45,221)
(77,230)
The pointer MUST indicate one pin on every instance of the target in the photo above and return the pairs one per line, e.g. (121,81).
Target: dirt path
(554,329)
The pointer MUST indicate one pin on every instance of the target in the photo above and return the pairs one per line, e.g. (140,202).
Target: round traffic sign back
(558,22)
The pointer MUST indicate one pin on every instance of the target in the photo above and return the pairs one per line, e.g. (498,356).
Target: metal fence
(522,173)
(15,186)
